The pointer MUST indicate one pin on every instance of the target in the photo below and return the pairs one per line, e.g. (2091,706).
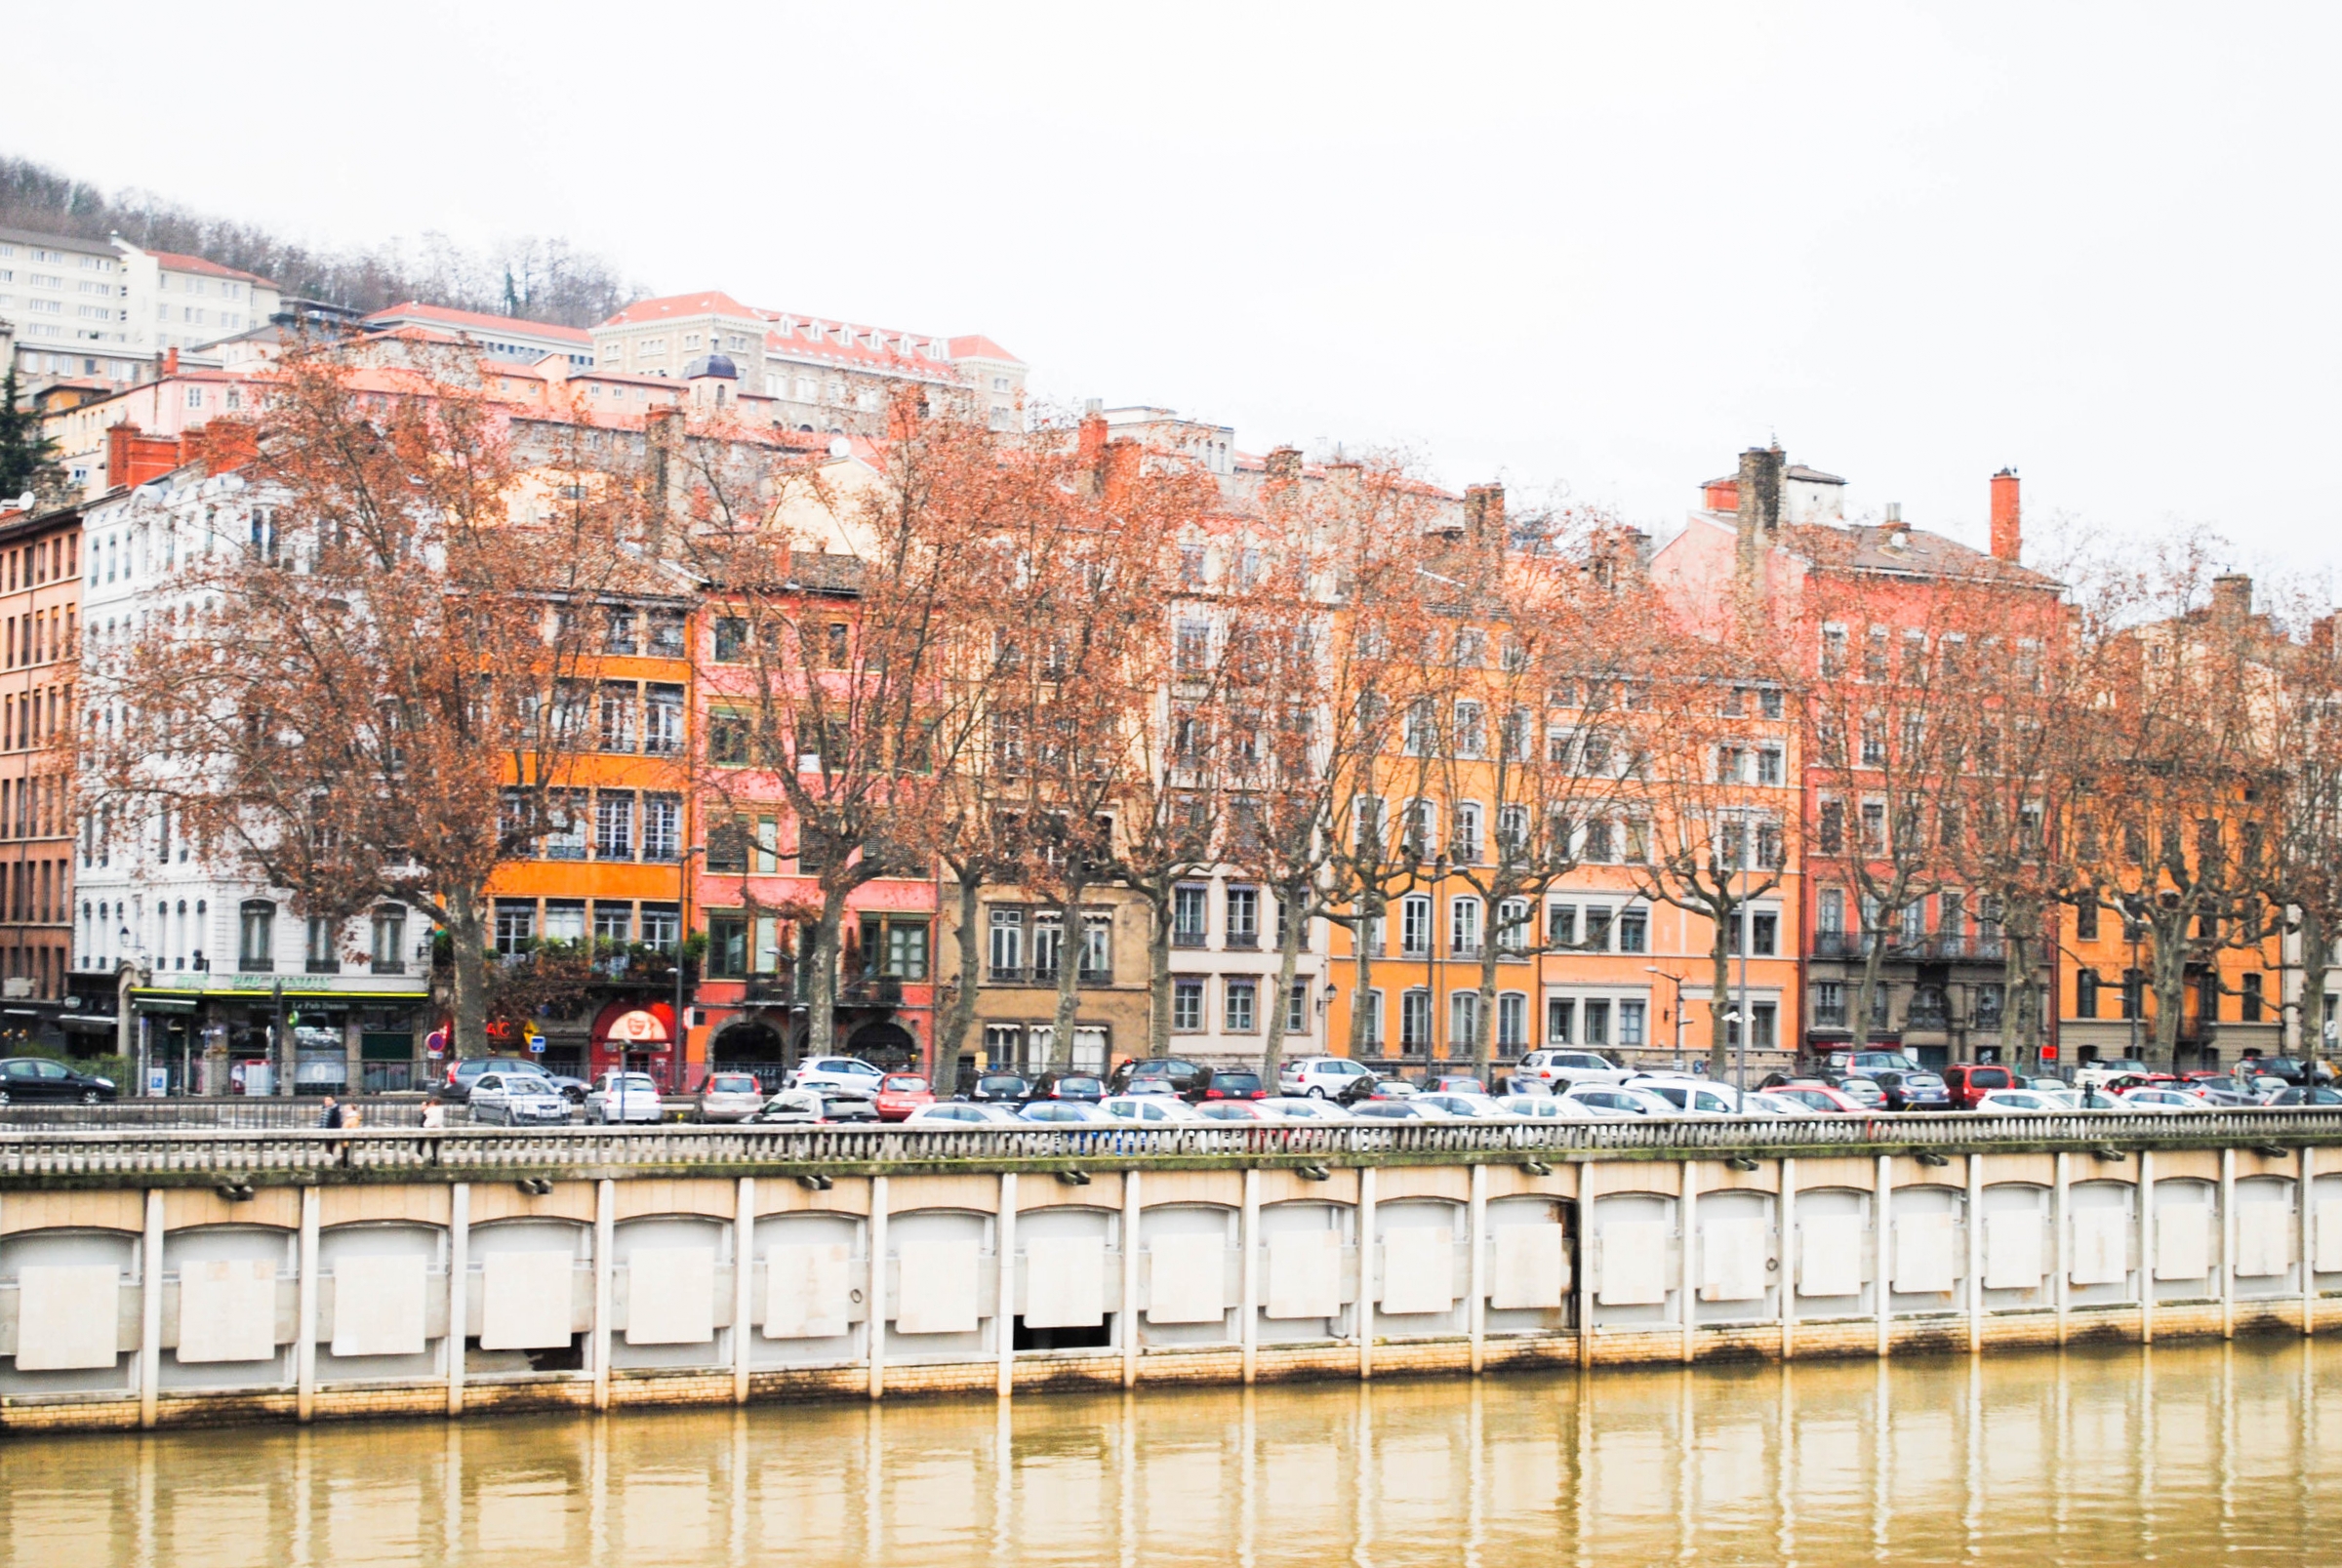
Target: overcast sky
(1599,246)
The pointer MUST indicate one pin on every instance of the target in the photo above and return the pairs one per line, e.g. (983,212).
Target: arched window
(256,940)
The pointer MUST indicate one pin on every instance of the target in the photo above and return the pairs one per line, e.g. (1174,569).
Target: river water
(2174,1453)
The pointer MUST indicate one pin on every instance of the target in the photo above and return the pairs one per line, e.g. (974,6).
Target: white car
(1616,1099)
(729,1097)
(1547,1107)
(2017,1101)
(1465,1106)
(1571,1068)
(805,1107)
(1418,1109)
(962,1113)
(1078,1112)
(828,1072)
(518,1100)
(1691,1096)
(1320,1077)
(1296,1108)
(621,1097)
(2165,1100)
(1150,1110)
(1760,1102)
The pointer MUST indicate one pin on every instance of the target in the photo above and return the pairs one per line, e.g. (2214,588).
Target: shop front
(638,1038)
(216,1032)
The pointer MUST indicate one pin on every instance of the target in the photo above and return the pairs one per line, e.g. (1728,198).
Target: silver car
(622,1097)
(729,1097)
(513,1099)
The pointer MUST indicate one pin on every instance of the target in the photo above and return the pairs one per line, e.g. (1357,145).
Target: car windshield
(732,1083)
(905,1086)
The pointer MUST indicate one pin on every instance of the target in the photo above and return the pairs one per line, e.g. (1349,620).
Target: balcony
(872,990)
(389,966)
(1189,938)
(1842,943)
(768,989)
(1940,949)
(1245,940)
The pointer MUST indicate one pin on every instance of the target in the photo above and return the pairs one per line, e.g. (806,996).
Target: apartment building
(825,377)
(109,311)
(40,629)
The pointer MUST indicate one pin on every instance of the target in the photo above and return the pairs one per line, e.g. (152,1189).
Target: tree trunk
(1483,1056)
(1865,989)
(1719,980)
(1361,936)
(1159,973)
(821,980)
(2309,1019)
(468,1002)
(2015,1031)
(2167,970)
(1070,940)
(970,942)
(1288,959)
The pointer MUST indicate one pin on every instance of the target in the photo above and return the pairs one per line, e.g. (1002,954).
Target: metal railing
(377,1154)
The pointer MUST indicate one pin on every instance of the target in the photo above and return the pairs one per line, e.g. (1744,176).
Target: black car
(1913,1090)
(27,1078)
(2291,1069)
(1229,1083)
(1183,1076)
(1078,1086)
(1001,1088)
(2312,1095)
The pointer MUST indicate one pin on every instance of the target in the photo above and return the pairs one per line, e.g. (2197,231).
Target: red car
(899,1094)
(1970,1081)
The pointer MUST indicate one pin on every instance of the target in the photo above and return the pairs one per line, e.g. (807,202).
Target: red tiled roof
(714,302)
(511,326)
(173,262)
(979,346)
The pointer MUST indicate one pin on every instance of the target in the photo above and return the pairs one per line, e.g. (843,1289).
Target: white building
(211,948)
(109,311)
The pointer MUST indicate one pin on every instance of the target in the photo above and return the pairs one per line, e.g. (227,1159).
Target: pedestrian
(434,1114)
(352,1116)
(333,1117)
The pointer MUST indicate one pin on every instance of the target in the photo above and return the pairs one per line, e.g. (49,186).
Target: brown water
(2176,1455)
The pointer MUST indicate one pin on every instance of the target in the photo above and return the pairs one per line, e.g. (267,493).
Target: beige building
(1023,943)
(822,375)
(109,311)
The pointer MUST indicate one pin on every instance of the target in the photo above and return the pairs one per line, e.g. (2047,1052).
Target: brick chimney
(133,457)
(1118,467)
(1092,435)
(2007,531)
(223,445)
(1484,511)
(2231,599)
(1758,501)
(1284,466)
(170,361)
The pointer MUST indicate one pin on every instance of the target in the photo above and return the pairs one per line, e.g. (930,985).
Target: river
(2170,1454)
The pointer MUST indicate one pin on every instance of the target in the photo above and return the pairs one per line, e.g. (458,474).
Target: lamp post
(681,1044)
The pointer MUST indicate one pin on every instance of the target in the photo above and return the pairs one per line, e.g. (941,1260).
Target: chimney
(2007,536)
(2232,600)
(1117,468)
(1093,436)
(1757,493)
(170,361)
(1720,495)
(1484,511)
(1284,466)
(223,445)
(133,457)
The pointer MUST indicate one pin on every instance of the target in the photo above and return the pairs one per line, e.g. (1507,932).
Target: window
(1244,918)
(728,739)
(662,927)
(1464,1020)
(1769,765)
(1631,1017)
(618,715)
(1187,1005)
(1463,840)
(1464,928)
(2085,921)
(566,813)
(731,639)
(1374,1020)
(662,828)
(663,720)
(322,956)
(1471,730)
(1598,928)
(255,942)
(1297,1007)
(1007,950)
(905,949)
(614,825)
(1990,998)
(1048,942)
(1189,916)
(1562,925)
(2249,1005)
(1764,934)
(617,630)
(1634,931)
(614,923)
(515,926)
(1830,1005)
(1415,926)
(1192,647)
(1415,1021)
(727,946)
(1560,1014)
(1511,1022)
(1597,1017)
(564,920)
(1516,927)
(1239,1006)
(1097,946)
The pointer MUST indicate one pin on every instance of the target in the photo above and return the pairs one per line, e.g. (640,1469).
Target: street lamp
(1678,982)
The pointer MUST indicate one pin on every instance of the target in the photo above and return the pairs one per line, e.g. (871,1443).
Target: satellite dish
(839,446)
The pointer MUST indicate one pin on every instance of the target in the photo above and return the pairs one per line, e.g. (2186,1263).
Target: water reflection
(2170,1454)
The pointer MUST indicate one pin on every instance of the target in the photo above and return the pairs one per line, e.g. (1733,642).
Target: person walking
(333,1117)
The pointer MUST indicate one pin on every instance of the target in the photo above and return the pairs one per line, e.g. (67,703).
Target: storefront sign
(638,1027)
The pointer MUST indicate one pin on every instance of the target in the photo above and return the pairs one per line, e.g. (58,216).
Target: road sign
(2048,1053)
(434,1044)
(536,1043)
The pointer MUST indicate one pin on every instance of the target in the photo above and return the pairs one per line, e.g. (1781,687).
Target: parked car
(1863,1091)
(1545,1108)
(2291,1069)
(1773,1102)
(1696,1096)
(2099,1075)
(1236,1111)
(1450,1083)
(729,1097)
(619,1095)
(1822,1099)
(1913,1090)
(847,1072)
(2153,1096)
(899,1094)
(1967,1082)
(456,1087)
(1320,1077)
(962,1113)
(518,1100)
(1617,1100)
(2298,1095)
(1000,1088)
(1304,1109)
(1465,1104)
(1079,1112)
(1229,1083)
(1078,1086)
(1149,1110)
(819,1107)
(1183,1075)
(1401,1110)
(26,1079)
(2043,1083)
(2017,1103)
(1381,1089)
(573,1088)
(1562,1069)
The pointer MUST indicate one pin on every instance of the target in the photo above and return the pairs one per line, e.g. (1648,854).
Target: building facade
(40,627)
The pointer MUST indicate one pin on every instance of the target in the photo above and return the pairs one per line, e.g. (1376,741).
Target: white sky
(1603,246)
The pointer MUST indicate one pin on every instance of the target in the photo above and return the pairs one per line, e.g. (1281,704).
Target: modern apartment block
(109,311)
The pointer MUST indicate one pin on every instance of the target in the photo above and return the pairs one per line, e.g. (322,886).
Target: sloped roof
(174,261)
(711,302)
(480,321)
(1905,550)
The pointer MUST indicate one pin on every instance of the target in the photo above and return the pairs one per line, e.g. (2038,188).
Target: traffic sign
(434,1044)
(536,1043)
